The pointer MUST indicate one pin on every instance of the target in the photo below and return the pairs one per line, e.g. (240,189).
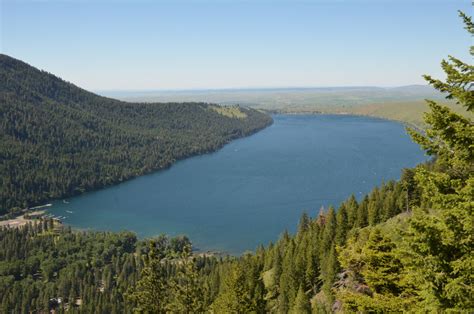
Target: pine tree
(329,269)
(373,208)
(288,279)
(232,298)
(283,303)
(242,291)
(441,236)
(342,225)
(389,207)
(277,265)
(186,288)
(382,266)
(412,193)
(301,304)
(312,258)
(352,206)
(362,220)
(329,232)
(304,223)
(151,292)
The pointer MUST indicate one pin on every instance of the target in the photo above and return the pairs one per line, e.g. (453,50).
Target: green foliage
(58,140)
(382,266)
(362,213)
(42,264)
(161,275)
(150,292)
(374,208)
(407,246)
(440,236)
(242,290)
(426,263)
(187,288)
(342,225)
(302,304)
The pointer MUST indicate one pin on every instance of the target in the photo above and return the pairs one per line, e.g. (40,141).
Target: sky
(199,44)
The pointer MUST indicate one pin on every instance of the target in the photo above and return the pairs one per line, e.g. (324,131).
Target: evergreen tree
(151,292)
(283,303)
(312,257)
(410,187)
(242,291)
(382,267)
(304,223)
(352,212)
(329,269)
(441,236)
(362,219)
(301,304)
(277,265)
(329,232)
(342,225)
(288,279)
(186,288)
(374,208)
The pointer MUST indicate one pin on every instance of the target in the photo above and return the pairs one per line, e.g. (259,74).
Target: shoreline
(23,219)
(164,167)
(61,208)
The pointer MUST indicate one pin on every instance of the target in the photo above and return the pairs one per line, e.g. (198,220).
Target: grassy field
(407,112)
(231,111)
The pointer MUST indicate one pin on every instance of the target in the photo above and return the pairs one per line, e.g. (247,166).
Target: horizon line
(254,88)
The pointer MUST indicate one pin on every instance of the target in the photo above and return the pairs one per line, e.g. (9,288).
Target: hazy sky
(138,45)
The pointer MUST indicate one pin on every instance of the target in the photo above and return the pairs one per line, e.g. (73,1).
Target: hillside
(58,140)
(409,112)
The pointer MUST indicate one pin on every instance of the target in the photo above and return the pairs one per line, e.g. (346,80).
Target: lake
(254,188)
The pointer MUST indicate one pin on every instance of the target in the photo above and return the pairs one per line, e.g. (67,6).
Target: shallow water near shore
(254,188)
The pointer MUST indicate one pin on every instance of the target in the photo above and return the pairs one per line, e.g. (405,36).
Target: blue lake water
(254,188)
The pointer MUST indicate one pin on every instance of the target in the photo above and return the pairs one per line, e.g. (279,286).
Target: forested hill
(58,140)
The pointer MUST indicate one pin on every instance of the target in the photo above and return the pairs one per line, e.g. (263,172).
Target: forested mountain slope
(405,247)
(57,140)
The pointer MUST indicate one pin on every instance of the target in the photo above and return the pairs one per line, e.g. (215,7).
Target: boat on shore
(41,206)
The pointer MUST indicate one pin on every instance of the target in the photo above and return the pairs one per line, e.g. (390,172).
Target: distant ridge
(288,99)
(265,89)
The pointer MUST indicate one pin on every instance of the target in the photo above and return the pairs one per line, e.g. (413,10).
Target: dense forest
(57,140)
(46,266)
(405,247)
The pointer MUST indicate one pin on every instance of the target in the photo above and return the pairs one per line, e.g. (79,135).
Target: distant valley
(405,103)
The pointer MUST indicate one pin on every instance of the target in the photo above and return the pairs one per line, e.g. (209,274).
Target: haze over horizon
(213,45)
(256,88)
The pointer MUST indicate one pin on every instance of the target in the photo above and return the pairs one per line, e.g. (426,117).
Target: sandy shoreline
(21,220)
